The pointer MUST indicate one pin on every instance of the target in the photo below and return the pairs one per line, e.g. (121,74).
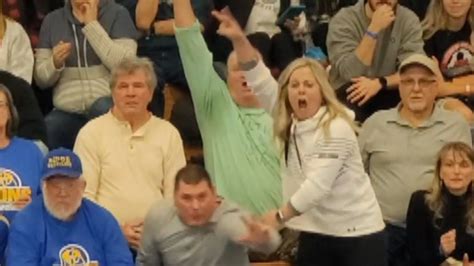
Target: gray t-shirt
(167,241)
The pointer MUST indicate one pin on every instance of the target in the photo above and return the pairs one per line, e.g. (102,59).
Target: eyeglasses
(422,83)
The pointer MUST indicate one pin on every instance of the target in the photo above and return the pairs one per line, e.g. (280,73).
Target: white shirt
(16,55)
(263,17)
(327,181)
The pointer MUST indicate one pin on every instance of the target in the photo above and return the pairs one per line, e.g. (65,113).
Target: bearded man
(366,44)
(62,227)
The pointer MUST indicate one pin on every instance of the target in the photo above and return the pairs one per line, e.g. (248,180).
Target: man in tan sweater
(130,157)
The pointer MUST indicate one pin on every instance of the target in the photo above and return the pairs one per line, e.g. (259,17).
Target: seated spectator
(62,228)
(440,221)
(339,225)
(130,157)
(366,42)
(16,55)
(258,19)
(159,44)
(447,33)
(399,147)
(20,167)
(199,228)
(31,122)
(79,45)
(239,151)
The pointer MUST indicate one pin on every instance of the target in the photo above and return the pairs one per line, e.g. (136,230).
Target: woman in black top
(447,34)
(440,221)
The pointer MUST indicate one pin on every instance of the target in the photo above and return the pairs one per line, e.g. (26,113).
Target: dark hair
(192,174)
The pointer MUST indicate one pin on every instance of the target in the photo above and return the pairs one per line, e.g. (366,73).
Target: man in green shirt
(239,150)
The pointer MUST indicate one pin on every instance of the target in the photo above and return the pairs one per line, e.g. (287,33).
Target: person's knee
(100,107)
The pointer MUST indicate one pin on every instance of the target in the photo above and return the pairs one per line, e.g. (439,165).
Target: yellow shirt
(127,171)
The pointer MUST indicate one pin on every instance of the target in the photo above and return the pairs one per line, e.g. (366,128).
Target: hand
(270,219)
(88,12)
(293,25)
(362,90)
(133,232)
(61,52)
(381,18)
(228,26)
(466,262)
(448,242)
(22,202)
(258,233)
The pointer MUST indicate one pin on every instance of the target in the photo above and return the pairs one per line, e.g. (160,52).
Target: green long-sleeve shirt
(239,150)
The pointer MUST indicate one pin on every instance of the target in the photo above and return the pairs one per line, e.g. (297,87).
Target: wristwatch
(279,217)
(151,29)
(383,82)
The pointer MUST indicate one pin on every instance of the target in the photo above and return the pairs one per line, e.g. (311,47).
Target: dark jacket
(31,124)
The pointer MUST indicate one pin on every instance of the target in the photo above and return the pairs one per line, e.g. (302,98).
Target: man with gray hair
(399,146)
(62,228)
(130,157)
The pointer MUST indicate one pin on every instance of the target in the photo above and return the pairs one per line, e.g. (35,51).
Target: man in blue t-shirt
(62,228)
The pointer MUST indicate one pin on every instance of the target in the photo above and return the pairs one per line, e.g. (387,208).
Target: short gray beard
(61,213)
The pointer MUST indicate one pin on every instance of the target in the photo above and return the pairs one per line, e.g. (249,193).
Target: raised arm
(183,13)
(145,14)
(350,55)
(257,75)
(207,88)
(111,47)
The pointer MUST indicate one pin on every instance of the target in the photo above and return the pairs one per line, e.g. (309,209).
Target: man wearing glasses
(399,146)
(62,227)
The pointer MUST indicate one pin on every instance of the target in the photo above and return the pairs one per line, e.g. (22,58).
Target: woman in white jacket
(329,195)
(16,55)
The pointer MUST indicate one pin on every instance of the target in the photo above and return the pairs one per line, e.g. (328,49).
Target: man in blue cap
(63,228)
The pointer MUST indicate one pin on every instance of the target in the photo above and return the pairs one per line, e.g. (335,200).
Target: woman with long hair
(20,167)
(440,220)
(448,36)
(16,55)
(329,196)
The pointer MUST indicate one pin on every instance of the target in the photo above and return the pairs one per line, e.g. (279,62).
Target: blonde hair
(436,19)
(283,111)
(434,197)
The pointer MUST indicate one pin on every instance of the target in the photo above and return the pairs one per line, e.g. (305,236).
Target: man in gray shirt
(399,146)
(366,42)
(200,229)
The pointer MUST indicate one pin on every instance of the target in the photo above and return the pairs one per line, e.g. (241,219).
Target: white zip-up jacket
(324,179)
(327,181)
